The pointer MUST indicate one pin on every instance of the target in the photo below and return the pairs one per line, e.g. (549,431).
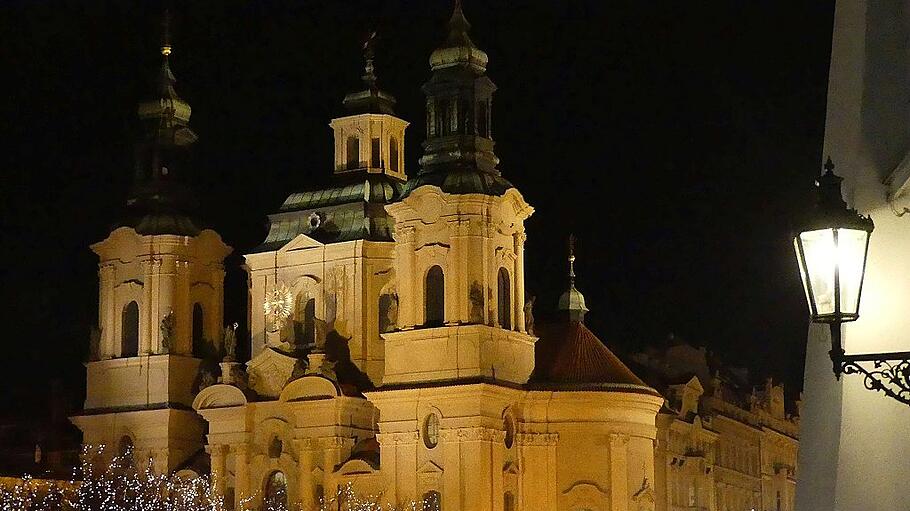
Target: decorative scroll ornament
(891,376)
(278,305)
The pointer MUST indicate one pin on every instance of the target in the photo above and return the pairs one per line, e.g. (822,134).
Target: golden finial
(166,34)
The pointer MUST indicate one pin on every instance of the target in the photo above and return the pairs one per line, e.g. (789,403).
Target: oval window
(431,431)
(509,428)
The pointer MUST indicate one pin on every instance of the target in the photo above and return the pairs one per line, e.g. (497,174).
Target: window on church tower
(443,117)
(129,330)
(504,299)
(434,306)
(353,152)
(198,331)
(393,154)
(432,501)
(508,501)
(483,126)
(375,153)
(275,496)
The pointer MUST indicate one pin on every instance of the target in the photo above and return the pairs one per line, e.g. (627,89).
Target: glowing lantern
(831,250)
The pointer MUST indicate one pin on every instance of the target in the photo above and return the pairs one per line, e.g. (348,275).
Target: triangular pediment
(429,468)
(301,242)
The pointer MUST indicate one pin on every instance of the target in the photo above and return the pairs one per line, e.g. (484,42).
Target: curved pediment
(355,467)
(309,388)
(219,396)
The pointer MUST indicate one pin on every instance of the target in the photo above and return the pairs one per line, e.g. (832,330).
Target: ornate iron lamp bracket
(883,372)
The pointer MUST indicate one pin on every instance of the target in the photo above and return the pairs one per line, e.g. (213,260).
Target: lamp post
(831,249)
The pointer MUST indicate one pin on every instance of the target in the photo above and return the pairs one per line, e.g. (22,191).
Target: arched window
(435,296)
(199,350)
(275,496)
(443,117)
(432,501)
(353,152)
(388,312)
(508,502)
(393,154)
(504,299)
(129,330)
(304,320)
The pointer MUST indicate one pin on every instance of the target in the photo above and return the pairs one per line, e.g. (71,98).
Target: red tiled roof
(567,352)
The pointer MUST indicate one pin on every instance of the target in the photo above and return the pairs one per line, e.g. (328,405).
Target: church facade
(391,346)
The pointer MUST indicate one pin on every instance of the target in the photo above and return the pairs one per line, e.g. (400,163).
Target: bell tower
(459,233)
(370,138)
(160,311)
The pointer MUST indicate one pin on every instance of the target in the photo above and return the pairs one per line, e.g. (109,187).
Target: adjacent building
(721,444)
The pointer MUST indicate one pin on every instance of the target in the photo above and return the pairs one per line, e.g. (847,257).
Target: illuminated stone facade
(719,448)
(390,344)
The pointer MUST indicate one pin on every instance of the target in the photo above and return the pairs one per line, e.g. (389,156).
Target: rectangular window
(353,150)
(375,158)
(393,154)
(482,116)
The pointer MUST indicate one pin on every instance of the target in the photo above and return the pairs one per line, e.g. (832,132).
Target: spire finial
(829,165)
(369,53)
(458,29)
(572,260)
(166,34)
(572,301)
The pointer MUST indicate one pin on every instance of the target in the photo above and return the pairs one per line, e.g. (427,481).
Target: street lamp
(831,249)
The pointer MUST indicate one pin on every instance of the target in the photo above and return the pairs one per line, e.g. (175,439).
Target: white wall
(855,443)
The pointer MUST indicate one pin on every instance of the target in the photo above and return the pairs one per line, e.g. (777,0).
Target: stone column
(107,308)
(408,299)
(218,455)
(518,304)
(619,480)
(305,485)
(166,290)
(241,473)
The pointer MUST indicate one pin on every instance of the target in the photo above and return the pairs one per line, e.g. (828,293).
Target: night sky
(677,140)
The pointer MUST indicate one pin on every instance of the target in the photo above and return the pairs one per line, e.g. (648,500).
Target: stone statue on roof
(230,342)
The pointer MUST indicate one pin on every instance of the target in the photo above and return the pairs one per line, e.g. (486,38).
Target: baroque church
(391,345)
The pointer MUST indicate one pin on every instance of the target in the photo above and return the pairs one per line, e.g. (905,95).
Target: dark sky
(677,140)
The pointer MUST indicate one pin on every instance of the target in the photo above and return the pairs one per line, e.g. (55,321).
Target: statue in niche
(475,297)
(168,330)
(230,342)
(388,312)
(529,314)
(491,313)
(94,344)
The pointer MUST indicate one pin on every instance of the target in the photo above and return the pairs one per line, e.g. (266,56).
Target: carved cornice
(333,442)
(475,434)
(546,439)
(405,438)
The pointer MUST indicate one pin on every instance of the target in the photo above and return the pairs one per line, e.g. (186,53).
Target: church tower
(451,396)
(161,279)
(459,233)
(325,267)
